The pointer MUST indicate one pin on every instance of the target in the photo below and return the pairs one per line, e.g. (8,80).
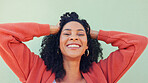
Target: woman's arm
(130,47)
(15,53)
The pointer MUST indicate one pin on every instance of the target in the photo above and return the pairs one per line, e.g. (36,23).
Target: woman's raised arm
(15,53)
(130,47)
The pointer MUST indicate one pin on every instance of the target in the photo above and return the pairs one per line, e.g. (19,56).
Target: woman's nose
(73,38)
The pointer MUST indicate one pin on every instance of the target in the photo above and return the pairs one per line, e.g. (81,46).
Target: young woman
(69,52)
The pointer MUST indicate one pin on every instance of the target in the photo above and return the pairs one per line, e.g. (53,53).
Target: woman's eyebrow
(67,29)
(80,30)
(77,29)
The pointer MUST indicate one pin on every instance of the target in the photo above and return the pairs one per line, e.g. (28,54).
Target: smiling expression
(73,40)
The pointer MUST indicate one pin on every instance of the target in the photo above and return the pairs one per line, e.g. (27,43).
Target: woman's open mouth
(73,46)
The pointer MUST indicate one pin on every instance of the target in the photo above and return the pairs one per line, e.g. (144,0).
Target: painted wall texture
(119,15)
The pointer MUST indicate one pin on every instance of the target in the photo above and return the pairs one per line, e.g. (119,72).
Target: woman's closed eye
(70,34)
(81,34)
(66,33)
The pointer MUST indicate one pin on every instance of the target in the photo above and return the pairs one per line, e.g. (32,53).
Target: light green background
(120,15)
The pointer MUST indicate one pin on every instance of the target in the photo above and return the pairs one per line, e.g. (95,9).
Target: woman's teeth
(73,46)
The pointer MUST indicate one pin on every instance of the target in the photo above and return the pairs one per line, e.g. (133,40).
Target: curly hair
(52,56)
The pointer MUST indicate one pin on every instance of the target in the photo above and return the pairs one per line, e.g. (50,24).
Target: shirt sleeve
(15,53)
(130,47)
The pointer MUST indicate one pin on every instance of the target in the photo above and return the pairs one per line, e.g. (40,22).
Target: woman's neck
(72,68)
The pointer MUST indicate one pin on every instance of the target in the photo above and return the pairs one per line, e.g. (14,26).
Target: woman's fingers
(94,34)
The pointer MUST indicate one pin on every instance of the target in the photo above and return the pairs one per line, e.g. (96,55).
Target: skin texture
(73,32)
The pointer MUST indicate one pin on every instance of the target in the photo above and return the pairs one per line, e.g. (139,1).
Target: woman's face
(73,40)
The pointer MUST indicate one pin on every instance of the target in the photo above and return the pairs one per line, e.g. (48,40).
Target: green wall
(121,15)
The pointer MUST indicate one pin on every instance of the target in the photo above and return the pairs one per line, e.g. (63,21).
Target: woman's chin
(73,56)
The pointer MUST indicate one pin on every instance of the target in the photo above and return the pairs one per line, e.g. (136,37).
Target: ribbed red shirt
(30,68)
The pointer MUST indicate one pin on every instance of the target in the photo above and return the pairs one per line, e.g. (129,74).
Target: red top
(30,68)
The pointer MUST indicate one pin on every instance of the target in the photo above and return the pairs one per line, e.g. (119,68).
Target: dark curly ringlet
(52,56)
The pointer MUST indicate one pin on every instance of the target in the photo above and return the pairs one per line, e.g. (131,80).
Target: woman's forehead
(73,25)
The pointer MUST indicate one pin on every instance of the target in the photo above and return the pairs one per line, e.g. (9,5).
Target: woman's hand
(94,34)
(54,29)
